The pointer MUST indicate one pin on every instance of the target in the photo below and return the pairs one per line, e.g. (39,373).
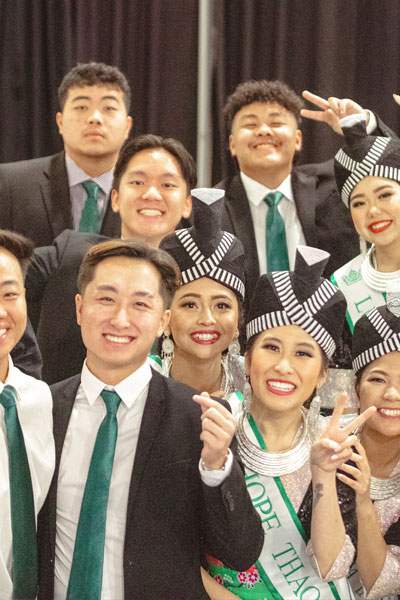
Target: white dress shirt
(256,193)
(88,412)
(77,193)
(34,407)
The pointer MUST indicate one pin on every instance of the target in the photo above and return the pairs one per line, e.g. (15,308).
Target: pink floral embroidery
(219,579)
(242,577)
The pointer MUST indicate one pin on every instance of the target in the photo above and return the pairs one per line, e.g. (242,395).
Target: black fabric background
(348,48)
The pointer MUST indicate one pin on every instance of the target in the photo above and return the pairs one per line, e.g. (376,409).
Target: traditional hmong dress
(286,567)
(387,586)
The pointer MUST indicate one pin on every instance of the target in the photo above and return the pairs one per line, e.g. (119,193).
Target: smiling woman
(203,351)
(376,476)
(367,173)
(291,454)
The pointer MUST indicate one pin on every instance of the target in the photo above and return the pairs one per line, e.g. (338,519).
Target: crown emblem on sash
(352,277)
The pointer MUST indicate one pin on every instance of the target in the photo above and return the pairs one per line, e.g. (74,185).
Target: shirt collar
(76,176)
(12,376)
(128,389)
(256,191)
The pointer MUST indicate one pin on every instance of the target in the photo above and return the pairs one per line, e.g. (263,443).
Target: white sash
(284,564)
(360,297)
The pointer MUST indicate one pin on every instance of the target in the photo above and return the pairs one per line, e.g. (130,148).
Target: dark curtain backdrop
(347,48)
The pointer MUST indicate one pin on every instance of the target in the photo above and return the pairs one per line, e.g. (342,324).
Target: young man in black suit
(151,192)
(41,197)
(263,120)
(170,488)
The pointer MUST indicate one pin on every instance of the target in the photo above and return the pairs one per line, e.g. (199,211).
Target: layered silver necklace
(274,464)
(383,489)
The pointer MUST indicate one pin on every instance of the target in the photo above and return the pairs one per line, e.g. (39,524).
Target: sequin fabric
(388,514)
(338,381)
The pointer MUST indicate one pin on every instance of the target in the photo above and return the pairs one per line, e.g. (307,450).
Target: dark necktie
(87,564)
(23,526)
(277,252)
(90,218)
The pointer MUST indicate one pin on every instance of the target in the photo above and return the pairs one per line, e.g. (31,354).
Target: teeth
(150,212)
(378,226)
(205,337)
(391,412)
(280,385)
(3,332)
(118,339)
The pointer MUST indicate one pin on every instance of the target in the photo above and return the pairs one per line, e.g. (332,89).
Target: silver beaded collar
(273,464)
(383,489)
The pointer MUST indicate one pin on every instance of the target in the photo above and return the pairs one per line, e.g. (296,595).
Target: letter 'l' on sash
(360,297)
(284,564)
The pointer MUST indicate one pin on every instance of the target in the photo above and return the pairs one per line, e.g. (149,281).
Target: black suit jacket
(172,517)
(34,200)
(51,286)
(325,220)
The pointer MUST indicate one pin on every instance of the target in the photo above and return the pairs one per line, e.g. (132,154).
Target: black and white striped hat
(377,332)
(300,297)
(204,250)
(365,155)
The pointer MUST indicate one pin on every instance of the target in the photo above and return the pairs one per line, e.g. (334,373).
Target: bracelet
(207,468)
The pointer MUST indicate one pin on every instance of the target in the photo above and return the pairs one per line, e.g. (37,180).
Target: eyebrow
(79,98)
(375,191)
(111,288)
(142,173)
(194,295)
(9,282)
(377,371)
(268,338)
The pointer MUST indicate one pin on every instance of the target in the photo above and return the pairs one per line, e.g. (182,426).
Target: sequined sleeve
(388,581)
(341,566)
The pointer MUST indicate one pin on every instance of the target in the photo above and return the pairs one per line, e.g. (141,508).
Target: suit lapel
(152,418)
(63,402)
(304,191)
(55,193)
(240,223)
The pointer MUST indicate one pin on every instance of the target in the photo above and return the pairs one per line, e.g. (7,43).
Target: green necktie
(90,218)
(23,523)
(277,253)
(87,564)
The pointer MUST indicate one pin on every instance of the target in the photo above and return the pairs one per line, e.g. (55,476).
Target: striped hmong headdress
(377,333)
(204,250)
(365,155)
(300,297)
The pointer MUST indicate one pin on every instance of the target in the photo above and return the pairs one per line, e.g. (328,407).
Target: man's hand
(218,427)
(333,109)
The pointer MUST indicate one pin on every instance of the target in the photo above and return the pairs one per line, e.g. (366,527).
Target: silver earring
(247,395)
(234,346)
(313,414)
(167,352)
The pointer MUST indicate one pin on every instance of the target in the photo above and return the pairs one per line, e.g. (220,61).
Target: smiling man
(145,482)
(271,205)
(151,192)
(26,440)
(42,197)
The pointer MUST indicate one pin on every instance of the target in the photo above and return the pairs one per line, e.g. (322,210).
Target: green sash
(359,296)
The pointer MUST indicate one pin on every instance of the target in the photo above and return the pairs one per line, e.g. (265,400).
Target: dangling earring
(247,395)
(167,352)
(234,346)
(313,414)
(363,246)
